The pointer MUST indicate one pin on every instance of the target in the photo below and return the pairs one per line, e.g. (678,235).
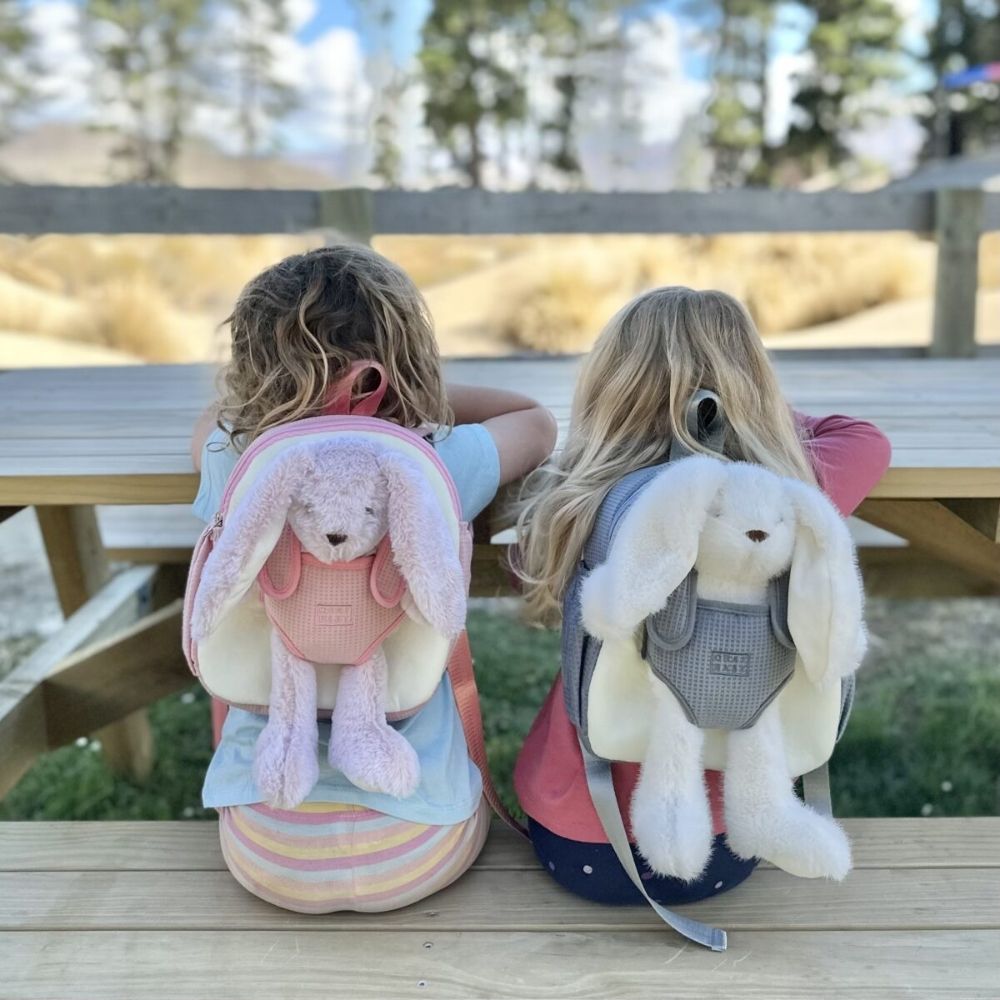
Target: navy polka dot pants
(594,872)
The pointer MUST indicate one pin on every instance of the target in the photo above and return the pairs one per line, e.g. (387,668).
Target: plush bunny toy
(739,527)
(336,502)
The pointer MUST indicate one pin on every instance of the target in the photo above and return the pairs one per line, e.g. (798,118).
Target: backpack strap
(602,793)
(705,422)
(341,393)
(463,686)
(816,790)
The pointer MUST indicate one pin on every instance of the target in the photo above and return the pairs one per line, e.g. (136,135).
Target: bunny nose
(336,539)
(756,535)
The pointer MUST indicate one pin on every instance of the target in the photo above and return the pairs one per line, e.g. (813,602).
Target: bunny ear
(248,537)
(654,548)
(825,592)
(423,547)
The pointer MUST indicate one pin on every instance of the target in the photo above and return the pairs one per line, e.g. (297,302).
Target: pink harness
(339,612)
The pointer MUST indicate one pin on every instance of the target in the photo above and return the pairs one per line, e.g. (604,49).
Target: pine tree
(16,91)
(150,77)
(575,33)
(470,89)
(388,82)
(735,117)
(262,96)
(966,33)
(855,45)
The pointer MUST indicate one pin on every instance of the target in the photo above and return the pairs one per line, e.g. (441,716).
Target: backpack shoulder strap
(602,794)
(463,686)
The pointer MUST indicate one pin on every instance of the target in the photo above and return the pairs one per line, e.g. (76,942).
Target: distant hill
(58,153)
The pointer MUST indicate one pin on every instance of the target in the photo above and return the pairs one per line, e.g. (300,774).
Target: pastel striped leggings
(323,857)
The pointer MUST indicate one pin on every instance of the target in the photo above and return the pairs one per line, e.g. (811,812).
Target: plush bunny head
(340,497)
(741,525)
(338,504)
(748,533)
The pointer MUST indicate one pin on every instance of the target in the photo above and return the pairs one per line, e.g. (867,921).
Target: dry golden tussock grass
(161,298)
(787,281)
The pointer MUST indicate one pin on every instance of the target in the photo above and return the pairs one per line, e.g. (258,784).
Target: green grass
(924,736)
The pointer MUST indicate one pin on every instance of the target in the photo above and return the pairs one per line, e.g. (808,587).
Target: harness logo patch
(330,615)
(726,664)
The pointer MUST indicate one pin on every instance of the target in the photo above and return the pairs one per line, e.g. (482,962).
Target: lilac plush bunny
(341,500)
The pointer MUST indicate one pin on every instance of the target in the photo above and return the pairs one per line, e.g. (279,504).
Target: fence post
(957,226)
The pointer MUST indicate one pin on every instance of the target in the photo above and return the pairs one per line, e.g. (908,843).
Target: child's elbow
(548,431)
(540,435)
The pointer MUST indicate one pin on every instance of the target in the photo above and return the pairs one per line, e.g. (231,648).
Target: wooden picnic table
(146,910)
(141,911)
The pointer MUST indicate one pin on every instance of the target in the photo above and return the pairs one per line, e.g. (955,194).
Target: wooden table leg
(966,539)
(79,569)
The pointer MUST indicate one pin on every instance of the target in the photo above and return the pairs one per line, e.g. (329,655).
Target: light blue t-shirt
(450,783)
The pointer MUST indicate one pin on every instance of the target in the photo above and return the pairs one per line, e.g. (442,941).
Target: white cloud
(66,68)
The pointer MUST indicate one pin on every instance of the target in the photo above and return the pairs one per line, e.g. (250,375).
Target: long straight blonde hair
(630,402)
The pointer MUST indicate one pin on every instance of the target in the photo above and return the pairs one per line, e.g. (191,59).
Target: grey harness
(724,662)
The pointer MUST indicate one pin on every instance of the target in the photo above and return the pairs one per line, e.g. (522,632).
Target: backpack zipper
(334,422)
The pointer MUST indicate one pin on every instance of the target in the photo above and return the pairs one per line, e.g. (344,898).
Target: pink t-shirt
(850,457)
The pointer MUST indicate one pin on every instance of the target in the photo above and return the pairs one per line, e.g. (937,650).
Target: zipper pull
(217,526)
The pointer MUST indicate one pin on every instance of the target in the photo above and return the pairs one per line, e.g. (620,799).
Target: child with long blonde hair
(297,330)
(629,405)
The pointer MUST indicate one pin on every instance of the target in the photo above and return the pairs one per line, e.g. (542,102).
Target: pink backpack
(333,581)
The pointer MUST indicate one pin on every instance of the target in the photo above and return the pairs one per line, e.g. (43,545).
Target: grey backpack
(681,645)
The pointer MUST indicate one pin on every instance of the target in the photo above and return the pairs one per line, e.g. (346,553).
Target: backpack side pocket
(202,550)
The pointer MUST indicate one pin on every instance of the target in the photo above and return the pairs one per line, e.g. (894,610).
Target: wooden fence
(955,217)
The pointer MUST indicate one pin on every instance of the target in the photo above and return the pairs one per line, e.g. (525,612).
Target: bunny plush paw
(673,834)
(796,839)
(597,609)
(284,772)
(376,759)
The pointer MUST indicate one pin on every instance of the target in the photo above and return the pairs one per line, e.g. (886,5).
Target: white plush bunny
(739,526)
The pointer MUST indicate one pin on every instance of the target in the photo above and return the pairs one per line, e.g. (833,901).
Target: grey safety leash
(602,794)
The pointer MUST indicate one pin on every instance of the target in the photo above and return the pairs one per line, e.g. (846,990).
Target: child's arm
(523,430)
(850,456)
(203,426)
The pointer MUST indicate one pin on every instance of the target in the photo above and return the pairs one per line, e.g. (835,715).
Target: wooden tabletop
(120,435)
(147,910)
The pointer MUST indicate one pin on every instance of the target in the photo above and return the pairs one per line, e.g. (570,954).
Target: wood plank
(109,680)
(957,225)
(80,568)
(983,514)
(30,209)
(70,444)
(234,965)
(35,209)
(490,212)
(886,899)
(905,573)
(76,555)
(23,721)
(939,842)
(931,527)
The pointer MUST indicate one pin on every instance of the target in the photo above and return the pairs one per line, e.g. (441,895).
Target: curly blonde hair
(297,327)
(630,402)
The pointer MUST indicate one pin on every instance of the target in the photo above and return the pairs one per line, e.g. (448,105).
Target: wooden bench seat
(144,910)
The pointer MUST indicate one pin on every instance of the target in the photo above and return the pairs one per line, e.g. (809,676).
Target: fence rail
(956,218)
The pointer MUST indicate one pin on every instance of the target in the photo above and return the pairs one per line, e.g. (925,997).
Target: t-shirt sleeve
(850,456)
(470,455)
(218,459)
